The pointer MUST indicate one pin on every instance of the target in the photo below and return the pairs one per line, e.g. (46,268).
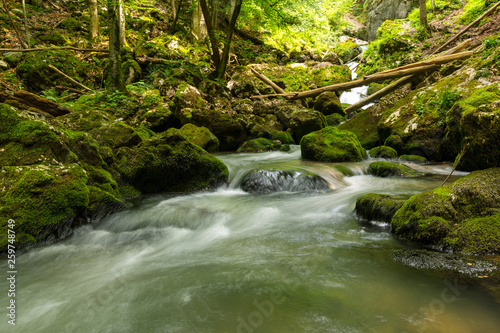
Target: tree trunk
(423,15)
(114,81)
(221,69)
(121,17)
(198,23)
(26,25)
(174,11)
(94,20)
(211,33)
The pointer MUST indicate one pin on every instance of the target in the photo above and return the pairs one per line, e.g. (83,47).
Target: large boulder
(463,217)
(383,152)
(300,120)
(332,145)
(328,103)
(169,162)
(377,12)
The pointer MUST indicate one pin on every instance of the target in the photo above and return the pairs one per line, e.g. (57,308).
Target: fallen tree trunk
(423,66)
(489,11)
(395,85)
(70,79)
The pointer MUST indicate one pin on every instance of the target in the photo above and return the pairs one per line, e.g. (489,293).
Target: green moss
(413,158)
(262,145)
(39,197)
(383,152)
(332,145)
(482,96)
(53,38)
(479,235)
(335,119)
(71,24)
(201,136)
(364,125)
(328,103)
(283,137)
(378,207)
(391,169)
(117,135)
(99,198)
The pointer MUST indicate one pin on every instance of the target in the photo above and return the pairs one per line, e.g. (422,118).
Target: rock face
(463,217)
(377,11)
(391,169)
(378,207)
(269,181)
(332,145)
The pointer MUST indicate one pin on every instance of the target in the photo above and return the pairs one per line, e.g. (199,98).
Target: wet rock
(269,181)
(300,120)
(201,136)
(332,145)
(262,145)
(413,159)
(335,119)
(383,152)
(378,207)
(328,103)
(392,169)
(364,125)
(463,217)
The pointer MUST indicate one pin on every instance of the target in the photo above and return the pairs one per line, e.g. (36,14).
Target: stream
(230,261)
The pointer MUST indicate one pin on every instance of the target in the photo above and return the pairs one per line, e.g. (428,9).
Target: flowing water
(229,261)
(354,95)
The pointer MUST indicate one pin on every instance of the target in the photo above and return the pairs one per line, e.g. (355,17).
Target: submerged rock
(392,169)
(383,152)
(463,217)
(261,145)
(269,181)
(332,145)
(378,207)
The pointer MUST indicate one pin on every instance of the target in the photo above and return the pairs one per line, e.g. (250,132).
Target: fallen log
(382,76)
(27,101)
(489,11)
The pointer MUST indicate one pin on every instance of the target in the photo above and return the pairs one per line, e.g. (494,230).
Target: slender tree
(114,80)
(423,14)
(221,69)
(211,33)
(94,20)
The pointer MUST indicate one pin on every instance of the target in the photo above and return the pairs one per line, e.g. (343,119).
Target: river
(230,261)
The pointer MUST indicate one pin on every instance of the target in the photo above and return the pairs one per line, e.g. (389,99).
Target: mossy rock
(463,216)
(227,129)
(283,137)
(54,39)
(158,119)
(131,71)
(35,72)
(201,136)
(383,152)
(70,24)
(13,58)
(413,159)
(328,103)
(364,125)
(378,207)
(392,169)
(169,162)
(332,145)
(26,142)
(335,119)
(44,201)
(262,145)
(374,87)
(300,121)
(116,135)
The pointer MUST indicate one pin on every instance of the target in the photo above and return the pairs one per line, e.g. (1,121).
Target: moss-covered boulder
(131,71)
(413,159)
(26,142)
(116,135)
(169,162)
(45,202)
(378,207)
(53,39)
(262,145)
(225,127)
(300,120)
(188,96)
(392,169)
(71,24)
(383,152)
(463,216)
(328,103)
(332,145)
(364,125)
(201,136)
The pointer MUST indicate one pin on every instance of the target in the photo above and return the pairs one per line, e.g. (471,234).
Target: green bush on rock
(332,145)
